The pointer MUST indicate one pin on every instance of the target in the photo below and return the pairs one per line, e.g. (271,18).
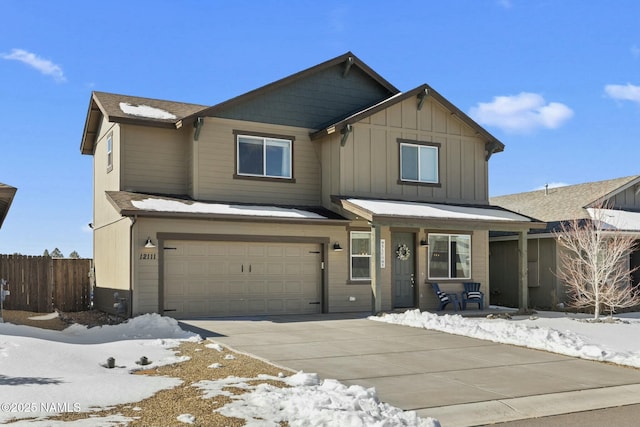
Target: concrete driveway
(461,381)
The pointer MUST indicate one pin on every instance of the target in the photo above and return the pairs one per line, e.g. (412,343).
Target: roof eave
(495,144)
(7,193)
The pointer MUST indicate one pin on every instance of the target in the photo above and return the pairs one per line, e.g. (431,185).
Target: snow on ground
(63,371)
(309,402)
(567,334)
(57,371)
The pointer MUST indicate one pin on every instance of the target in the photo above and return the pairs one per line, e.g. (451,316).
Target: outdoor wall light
(337,247)
(149,244)
(424,242)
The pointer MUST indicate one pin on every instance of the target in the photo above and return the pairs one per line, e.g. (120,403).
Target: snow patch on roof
(162,205)
(615,219)
(146,111)
(433,210)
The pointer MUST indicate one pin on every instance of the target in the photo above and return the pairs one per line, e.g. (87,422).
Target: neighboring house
(6,198)
(554,206)
(245,207)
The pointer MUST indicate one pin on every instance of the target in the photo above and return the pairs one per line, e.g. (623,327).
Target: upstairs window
(267,157)
(109,153)
(419,162)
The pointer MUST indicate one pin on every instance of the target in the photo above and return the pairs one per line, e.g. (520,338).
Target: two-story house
(327,191)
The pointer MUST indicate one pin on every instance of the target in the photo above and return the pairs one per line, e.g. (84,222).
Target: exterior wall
(146,271)
(103,179)
(628,199)
(369,166)
(215,166)
(155,160)
(545,289)
(479,271)
(111,252)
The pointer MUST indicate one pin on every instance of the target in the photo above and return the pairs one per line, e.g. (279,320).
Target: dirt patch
(163,408)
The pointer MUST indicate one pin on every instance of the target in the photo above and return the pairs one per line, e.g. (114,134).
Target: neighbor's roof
(139,204)
(6,198)
(420,91)
(486,217)
(564,203)
(131,109)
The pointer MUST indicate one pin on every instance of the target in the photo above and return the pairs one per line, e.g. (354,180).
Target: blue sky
(557,81)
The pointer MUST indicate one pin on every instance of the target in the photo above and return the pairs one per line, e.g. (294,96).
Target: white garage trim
(163,238)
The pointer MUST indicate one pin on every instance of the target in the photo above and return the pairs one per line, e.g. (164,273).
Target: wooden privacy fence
(42,284)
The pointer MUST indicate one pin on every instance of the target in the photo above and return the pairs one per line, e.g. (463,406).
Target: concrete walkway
(461,381)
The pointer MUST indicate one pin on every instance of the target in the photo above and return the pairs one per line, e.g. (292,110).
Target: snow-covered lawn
(569,334)
(44,372)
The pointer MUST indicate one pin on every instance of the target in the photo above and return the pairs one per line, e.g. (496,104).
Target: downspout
(133,219)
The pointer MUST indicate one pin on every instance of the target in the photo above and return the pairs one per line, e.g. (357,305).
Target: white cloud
(45,66)
(505,3)
(521,113)
(626,92)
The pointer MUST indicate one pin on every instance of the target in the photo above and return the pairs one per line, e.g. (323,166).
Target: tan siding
(216,166)
(111,254)
(154,160)
(369,164)
(104,180)
(145,297)
(479,273)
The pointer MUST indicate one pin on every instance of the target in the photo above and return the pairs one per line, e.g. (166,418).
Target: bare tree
(594,263)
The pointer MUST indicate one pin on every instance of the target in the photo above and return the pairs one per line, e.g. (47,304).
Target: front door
(403,253)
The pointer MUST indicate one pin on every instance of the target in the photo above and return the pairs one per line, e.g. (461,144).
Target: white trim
(351,256)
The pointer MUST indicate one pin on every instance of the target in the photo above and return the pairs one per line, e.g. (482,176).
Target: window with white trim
(449,256)
(360,255)
(263,156)
(109,153)
(419,163)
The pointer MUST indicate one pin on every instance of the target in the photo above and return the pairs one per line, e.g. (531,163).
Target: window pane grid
(360,254)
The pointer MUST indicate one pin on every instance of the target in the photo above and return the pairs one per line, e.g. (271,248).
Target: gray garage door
(241,278)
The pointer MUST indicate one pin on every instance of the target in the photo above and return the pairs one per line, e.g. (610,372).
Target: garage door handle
(317,302)
(242,269)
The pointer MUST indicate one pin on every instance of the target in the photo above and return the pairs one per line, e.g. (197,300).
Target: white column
(376,282)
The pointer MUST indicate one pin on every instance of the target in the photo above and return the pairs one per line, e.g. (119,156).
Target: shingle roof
(147,111)
(563,203)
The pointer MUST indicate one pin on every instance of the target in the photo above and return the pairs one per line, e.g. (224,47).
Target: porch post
(523,280)
(376,283)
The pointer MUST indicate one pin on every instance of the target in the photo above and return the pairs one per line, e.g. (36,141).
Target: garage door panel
(241,278)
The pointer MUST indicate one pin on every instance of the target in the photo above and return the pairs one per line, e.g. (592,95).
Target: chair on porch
(472,294)
(445,298)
